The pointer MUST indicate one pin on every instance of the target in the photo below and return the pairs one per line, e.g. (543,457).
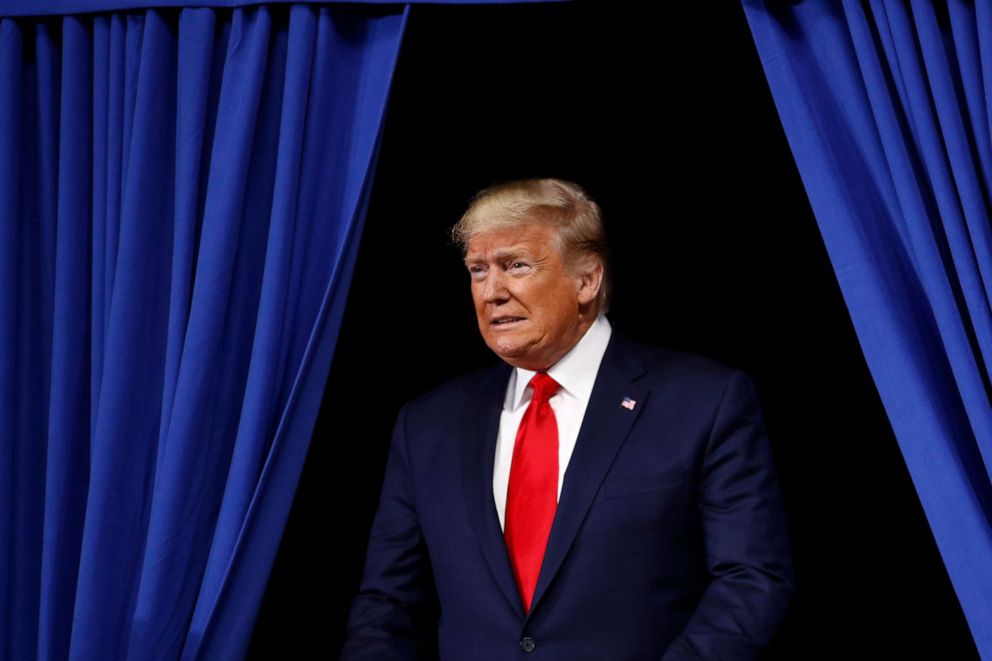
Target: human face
(530,307)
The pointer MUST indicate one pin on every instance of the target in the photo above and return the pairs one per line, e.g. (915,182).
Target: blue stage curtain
(886,106)
(63,7)
(181,197)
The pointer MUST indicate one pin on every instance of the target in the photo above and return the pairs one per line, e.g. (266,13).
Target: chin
(506,352)
(510,352)
(519,357)
(519,352)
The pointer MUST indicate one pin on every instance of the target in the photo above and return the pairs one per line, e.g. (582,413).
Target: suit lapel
(604,427)
(480,427)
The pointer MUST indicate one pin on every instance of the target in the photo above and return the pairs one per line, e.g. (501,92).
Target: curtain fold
(886,109)
(181,196)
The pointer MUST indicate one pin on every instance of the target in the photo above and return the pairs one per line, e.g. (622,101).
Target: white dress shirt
(576,374)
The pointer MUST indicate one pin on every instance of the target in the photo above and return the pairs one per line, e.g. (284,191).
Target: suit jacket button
(527,644)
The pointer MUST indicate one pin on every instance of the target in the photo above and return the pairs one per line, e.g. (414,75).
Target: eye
(476,271)
(518,266)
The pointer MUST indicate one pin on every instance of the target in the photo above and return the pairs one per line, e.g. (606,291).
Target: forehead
(529,238)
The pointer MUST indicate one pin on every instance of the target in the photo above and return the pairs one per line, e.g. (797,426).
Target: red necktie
(532,495)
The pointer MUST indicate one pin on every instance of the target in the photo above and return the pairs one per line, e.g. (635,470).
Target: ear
(589,282)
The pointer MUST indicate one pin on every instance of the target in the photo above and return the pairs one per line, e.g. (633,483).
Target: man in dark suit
(588,498)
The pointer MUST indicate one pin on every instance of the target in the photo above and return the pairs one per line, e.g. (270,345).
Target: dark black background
(669,124)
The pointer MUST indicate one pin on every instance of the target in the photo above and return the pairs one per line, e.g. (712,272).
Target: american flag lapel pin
(628,403)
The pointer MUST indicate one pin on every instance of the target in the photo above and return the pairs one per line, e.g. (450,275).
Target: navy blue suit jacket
(669,540)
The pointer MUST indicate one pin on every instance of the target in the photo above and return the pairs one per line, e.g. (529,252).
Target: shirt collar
(575,372)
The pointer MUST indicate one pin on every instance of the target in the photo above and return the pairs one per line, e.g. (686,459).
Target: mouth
(506,321)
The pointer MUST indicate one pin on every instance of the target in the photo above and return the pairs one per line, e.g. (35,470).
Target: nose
(494,288)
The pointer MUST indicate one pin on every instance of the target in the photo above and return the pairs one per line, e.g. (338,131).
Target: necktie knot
(544,386)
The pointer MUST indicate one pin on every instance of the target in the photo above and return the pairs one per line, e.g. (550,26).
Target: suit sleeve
(747,547)
(391,618)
